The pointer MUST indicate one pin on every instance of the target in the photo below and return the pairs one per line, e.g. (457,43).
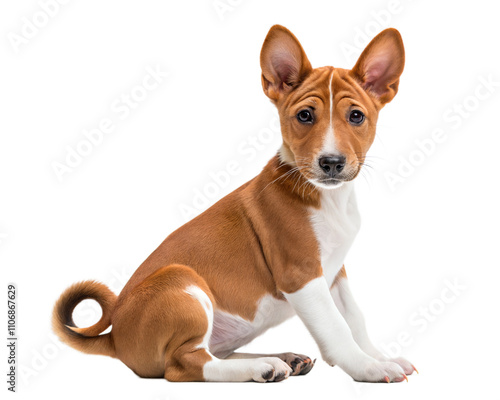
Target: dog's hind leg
(261,369)
(163,326)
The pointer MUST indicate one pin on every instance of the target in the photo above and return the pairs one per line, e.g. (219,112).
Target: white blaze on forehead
(330,89)
(329,146)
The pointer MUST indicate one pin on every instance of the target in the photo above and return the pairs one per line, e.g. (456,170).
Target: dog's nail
(406,377)
(387,379)
(307,368)
(416,370)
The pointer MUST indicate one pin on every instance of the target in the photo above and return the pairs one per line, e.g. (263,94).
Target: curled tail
(87,340)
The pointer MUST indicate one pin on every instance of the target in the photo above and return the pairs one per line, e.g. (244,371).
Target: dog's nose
(332,165)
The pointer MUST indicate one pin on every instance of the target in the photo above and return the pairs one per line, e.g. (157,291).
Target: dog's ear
(381,64)
(283,61)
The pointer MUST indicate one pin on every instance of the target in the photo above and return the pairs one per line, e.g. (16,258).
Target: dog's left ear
(283,61)
(381,64)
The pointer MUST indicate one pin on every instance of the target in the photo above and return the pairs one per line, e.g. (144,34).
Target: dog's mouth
(319,178)
(328,183)
(332,182)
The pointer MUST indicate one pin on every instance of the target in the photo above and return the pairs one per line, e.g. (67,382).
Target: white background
(437,226)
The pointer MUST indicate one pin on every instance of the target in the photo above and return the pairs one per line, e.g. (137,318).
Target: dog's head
(328,115)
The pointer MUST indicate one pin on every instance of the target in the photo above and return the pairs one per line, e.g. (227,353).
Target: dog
(272,249)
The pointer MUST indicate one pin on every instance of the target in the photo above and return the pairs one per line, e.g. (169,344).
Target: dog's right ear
(283,61)
(380,65)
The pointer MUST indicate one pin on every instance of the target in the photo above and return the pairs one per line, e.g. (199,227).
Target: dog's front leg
(315,307)
(344,300)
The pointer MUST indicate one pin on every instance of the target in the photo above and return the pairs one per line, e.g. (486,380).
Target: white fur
(335,224)
(207,305)
(338,327)
(315,307)
(349,309)
(330,89)
(242,370)
(218,370)
(329,145)
(330,186)
(344,300)
(232,331)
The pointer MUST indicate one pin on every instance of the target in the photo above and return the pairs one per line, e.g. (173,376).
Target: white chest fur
(335,224)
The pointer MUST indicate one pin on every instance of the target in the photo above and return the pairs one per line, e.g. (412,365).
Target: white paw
(377,371)
(270,369)
(407,366)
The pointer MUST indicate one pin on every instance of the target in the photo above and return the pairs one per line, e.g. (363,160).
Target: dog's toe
(300,364)
(268,375)
(307,366)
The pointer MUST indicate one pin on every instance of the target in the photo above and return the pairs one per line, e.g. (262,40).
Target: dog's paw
(270,369)
(300,364)
(407,366)
(377,371)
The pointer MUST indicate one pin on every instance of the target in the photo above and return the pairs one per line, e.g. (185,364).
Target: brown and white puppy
(271,249)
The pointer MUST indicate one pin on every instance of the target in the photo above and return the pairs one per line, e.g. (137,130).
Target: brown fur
(340,275)
(85,339)
(158,326)
(258,240)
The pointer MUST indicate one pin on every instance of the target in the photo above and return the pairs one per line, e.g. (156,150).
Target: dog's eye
(305,116)
(356,117)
